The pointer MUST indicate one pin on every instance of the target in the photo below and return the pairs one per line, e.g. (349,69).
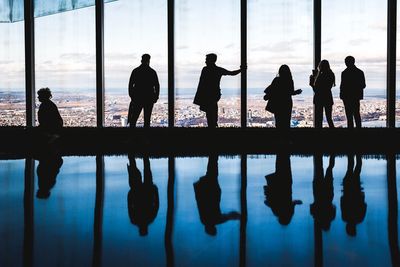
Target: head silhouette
(351,229)
(43,193)
(210,229)
(44,94)
(143,230)
(349,61)
(324,66)
(284,72)
(211,59)
(146,59)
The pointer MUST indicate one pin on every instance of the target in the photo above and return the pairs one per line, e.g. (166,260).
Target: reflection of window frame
(30,68)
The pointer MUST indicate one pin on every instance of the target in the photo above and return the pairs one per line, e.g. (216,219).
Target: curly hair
(44,93)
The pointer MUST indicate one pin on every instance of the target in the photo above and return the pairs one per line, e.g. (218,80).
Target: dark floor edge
(160,142)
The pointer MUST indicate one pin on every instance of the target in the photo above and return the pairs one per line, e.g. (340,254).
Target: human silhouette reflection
(352,202)
(208,198)
(47,170)
(323,211)
(278,191)
(143,201)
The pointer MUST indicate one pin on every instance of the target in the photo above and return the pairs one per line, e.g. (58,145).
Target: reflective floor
(254,210)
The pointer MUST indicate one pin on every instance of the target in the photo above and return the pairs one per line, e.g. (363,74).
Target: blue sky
(279,32)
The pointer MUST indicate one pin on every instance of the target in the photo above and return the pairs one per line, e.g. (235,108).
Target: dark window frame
(30,60)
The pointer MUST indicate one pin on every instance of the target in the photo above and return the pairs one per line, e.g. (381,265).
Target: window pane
(203,27)
(133,28)
(12,74)
(66,63)
(279,32)
(357,28)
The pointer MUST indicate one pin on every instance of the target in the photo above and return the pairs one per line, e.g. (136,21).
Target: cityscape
(79,110)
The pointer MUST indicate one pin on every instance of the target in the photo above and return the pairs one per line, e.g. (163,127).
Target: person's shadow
(352,202)
(143,200)
(278,191)
(47,170)
(323,210)
(208,198)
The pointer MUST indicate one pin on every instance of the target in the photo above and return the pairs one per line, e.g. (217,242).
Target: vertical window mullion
(243,62)
(171,64)
(391,64)
(317,38)
(100,62)
(29,62)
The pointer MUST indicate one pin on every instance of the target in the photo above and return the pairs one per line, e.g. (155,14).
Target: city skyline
(65,44)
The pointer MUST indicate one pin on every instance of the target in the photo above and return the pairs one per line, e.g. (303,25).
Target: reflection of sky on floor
(63,229)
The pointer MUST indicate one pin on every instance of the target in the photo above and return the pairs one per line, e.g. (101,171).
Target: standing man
(208,91)
(144,90)
(352,91)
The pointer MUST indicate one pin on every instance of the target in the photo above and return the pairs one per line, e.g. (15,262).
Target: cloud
(182,47)
(358,41)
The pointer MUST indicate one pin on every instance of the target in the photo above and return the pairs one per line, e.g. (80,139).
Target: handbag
(268,97)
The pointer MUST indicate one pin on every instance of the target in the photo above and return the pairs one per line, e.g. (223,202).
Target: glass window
(65,55)
(203,27)
(357,28)
(134,28)
(12,74)
(279,32)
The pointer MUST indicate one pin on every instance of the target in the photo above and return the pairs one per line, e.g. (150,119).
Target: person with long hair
(279,96)
(322,85)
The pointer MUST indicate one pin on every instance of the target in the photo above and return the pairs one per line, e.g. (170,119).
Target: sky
(279,32)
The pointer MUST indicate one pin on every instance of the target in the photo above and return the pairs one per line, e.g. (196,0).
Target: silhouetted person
(47,170)
(50,120)
(208,91)
(322,83)
(352,202)
(278,191)
(144,90)
(323,211)
(143,201)
(208,198)
(352,91)
(279,96)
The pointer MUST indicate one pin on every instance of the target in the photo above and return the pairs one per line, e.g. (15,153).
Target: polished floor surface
(254,210)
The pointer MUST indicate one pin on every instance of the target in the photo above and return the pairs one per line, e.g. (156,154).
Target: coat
(352,84)
(322,89)
(144,87)
(279,96)
(208,91)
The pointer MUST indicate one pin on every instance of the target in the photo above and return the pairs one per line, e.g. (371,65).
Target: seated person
(49,118)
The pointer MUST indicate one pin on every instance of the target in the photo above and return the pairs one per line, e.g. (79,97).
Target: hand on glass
(298,91)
